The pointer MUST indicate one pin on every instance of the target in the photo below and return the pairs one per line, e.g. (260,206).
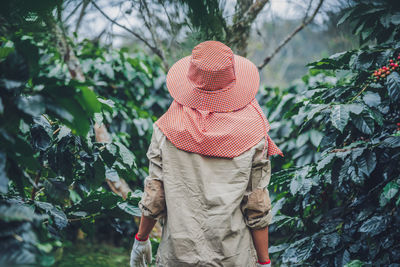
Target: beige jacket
(206,205)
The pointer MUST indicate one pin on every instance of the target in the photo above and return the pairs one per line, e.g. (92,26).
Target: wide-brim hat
(213,78)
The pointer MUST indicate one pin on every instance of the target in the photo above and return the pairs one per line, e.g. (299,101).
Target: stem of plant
(34,189)
(359,93)
(84,218)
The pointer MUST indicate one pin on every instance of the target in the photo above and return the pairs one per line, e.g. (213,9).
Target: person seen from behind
(209,167)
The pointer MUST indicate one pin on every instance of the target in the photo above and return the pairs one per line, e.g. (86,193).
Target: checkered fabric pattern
(230,82)
(214,112)
(212,67)
(218,134)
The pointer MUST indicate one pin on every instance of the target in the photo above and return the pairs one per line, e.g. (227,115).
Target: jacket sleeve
(256,204)
(152,203)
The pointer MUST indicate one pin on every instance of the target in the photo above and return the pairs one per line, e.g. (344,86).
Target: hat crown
(212,66)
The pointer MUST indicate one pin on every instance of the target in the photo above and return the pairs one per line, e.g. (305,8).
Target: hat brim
(223,100)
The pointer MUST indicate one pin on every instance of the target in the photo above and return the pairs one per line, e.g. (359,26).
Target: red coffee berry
(391,61)
(388,72)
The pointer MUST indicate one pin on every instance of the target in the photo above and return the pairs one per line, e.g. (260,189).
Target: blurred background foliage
(81,83)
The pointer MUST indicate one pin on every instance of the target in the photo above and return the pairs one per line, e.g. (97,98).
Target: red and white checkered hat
(214,111)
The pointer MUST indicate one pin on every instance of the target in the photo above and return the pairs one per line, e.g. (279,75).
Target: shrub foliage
(52,170)
(342,207)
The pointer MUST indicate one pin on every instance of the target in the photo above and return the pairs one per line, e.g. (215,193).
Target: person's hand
(141,253)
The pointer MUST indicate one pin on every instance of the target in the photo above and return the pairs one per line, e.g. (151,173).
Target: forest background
(81,83)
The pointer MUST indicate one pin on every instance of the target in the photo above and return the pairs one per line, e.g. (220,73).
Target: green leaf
(19,212)
(295,185)
(112,175)
(393,86)
(130,209)
(3,175)
(40,138)
(390,190)
(57,190)
(316,137)
(339,117)
(24,154)
(395,19)
(300,184)
(80,123)
(64,131)
(46,260)
(345,16)
(362,61)
(374,226)
(355,108)
(364,123)
(109,154)
(377,116)
(385,20)
(391,141)
(315,110)
(353,175)
(5,51)
(88,100)
(60,219)
(302,139)
(355,153)
(99,171)
(126,155)
(31,105)
(106,69)
(325,161)
(344,170)
(372,99)
(355,263)
(367,163)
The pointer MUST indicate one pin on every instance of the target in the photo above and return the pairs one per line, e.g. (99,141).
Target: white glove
(141,253)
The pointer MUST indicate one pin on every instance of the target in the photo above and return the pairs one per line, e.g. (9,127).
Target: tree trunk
(246,11)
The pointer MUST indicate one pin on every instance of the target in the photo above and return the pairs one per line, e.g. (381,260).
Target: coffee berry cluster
(384,71)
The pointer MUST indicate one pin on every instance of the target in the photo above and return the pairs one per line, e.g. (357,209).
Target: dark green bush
(342,207)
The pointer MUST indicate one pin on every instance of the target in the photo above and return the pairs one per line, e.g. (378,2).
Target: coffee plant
(52,170)
(342,209)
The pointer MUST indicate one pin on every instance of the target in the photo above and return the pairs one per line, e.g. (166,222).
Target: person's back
(204,224)
(209,167)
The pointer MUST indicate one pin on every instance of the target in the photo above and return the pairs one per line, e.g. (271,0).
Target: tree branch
(308,10)
(251,14)
(81,14)
(285,41)
(72,12)
(156,50)
(153,33)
